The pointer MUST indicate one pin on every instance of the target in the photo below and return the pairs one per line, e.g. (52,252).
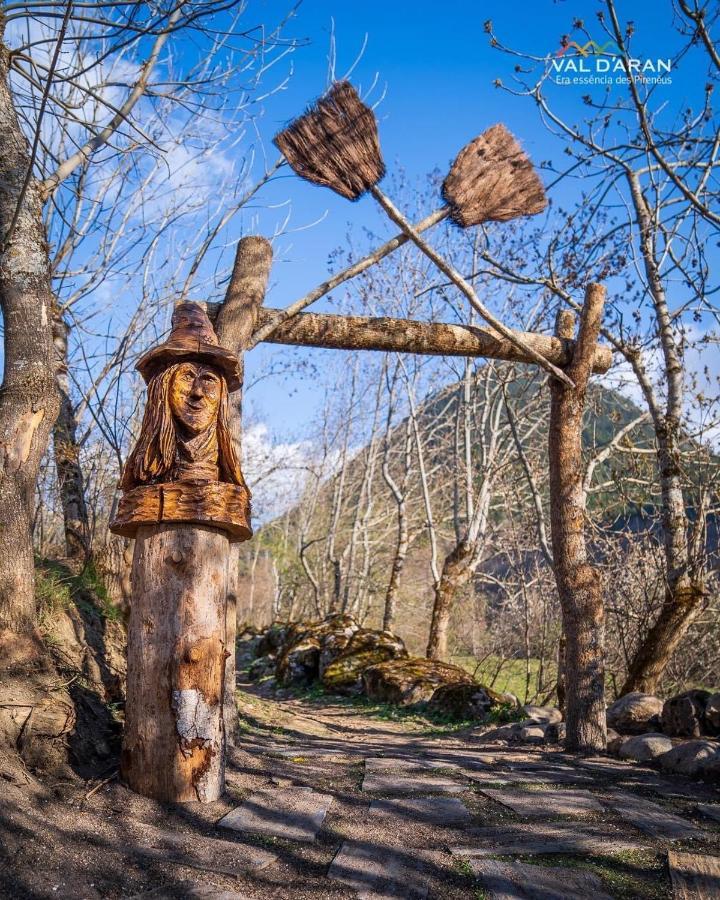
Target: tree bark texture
(28,398)
(578,582)
(456,572)
(67,454)
(174,739)
(408,336)
(235,323)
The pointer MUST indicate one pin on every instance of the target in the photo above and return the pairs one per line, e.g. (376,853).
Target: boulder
(502,733)
(555,733)
(410,681)
(712,714)
(364,649)
(299,664)
(614,741)
(273,639)
(644,747)
(546,714)
(700,759)
(530,734)
(262,667)
(684,715)
(468,701)
(635,713)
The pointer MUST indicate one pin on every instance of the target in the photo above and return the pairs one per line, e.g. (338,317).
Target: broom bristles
(492,180)
(335,143)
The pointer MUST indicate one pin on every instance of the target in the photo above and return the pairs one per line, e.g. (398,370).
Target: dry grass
(492,180)
(335,143)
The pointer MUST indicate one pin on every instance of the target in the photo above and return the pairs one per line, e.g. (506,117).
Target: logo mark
(592,48)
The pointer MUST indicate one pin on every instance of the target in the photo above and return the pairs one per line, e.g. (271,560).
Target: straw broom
(335,143)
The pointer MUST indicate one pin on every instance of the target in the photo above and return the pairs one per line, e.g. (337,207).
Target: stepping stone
(546,803)
(652,818)
(533,839)
(711,810)
(295,813)
(377,872)
(431,810)
(522,881)
(381,764)
(189,890)
(399,784)
(195,850)
(694,877)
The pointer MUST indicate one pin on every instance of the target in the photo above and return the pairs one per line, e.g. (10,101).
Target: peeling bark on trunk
(578,582)
(67,454)
(236,320)
(174,738)
(28,399)
(457,571)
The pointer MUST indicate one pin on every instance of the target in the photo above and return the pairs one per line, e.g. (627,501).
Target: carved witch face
(195,392)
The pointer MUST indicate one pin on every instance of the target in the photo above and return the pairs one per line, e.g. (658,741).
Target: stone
(547,714)
(531,734)
(555,733)
(376,871)
(653,819)
(635,713)
(712,714)
(698,759)
(523,881)
(644,747)
(441,811)
(343,673)
(380,764)
(262,667)
(295,813)
(273,639)
(194,850)
(614,741)
(546,803)
(468,701)
(190,890)
(410,681)
(694,876)
(402,784)
(300,663)
(711,810)
(684,715)
(533,839)
(501,733)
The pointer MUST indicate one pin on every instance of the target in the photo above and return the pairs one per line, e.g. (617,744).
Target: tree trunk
(578,582)
(457,571)
(28,398)
(174,738)
(67,454)
(236,319)
(401,549)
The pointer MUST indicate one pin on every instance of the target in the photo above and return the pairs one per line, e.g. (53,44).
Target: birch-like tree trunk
(28,399)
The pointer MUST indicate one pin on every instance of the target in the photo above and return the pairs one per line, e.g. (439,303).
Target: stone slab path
(653,819)
(519,881)
(293,813)
(378,873)
(694,877)
(532,839)
(546,804)
(409,784)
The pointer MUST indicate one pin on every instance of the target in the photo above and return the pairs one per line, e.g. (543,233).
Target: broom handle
(399,219)
(350,272)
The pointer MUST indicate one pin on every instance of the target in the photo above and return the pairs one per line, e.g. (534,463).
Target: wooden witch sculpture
(184,467)
(184,501)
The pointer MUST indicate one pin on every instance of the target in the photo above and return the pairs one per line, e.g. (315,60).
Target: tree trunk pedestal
(174,741)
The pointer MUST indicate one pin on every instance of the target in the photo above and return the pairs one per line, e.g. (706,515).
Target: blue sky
(435,66)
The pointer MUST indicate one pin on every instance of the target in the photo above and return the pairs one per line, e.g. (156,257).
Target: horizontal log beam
(408,336)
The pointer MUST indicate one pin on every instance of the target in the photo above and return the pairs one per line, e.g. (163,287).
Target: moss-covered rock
(273,639)
(410,681)
(299,664)
(262,667)
(309,646)
(468,701)
(366,648)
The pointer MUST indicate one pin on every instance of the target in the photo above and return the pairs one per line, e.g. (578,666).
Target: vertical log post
(184,500)
(578,581)
(235,323)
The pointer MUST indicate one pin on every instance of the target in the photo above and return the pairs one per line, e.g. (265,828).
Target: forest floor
(334,800)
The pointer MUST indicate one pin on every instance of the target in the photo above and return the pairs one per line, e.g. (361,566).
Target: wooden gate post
(578,581)
(185,501)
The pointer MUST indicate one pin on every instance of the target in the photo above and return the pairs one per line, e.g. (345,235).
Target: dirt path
(329,800)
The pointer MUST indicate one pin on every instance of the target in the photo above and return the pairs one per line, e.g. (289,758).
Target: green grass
(630,874)
(512,674)
(57,588)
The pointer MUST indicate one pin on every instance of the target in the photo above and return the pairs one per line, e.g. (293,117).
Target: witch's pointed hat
(192,338)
